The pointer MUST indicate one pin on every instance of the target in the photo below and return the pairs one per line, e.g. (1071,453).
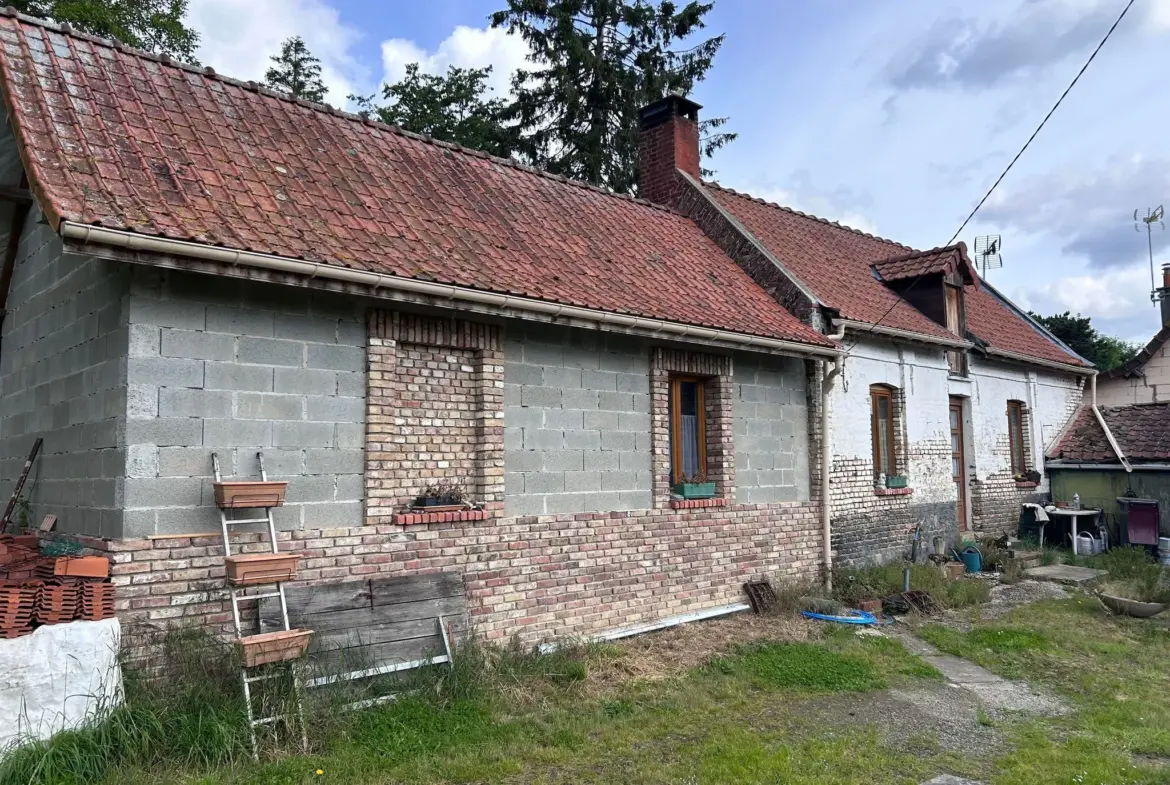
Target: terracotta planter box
(271,647)
(261,568)
(231,495)
(78,567)
(956,569)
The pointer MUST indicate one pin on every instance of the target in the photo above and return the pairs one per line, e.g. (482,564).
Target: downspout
(828,376)
(1101,420)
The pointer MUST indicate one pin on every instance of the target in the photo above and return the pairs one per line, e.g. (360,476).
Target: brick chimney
(1165,294)
(669,142)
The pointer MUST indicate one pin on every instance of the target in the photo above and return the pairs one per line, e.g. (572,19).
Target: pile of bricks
(37,589)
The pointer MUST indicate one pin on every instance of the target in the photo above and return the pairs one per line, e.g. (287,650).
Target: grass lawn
(1114,671)
(791,703)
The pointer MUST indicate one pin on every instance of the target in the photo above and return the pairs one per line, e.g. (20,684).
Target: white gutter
(894,332)
(828,376)
(1101,420)
(1023,358)
(140,242)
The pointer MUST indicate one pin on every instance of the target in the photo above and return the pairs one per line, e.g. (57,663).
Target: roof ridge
(65,28)
(809,216)
(915,254)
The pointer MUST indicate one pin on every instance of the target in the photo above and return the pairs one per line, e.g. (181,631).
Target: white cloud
(238,37)
(840,205)
(466,47)
(1117,301)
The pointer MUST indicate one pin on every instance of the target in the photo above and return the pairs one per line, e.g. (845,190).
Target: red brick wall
(662,150)
(537,577)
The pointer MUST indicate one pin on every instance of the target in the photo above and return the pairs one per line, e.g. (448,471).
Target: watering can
(971,558)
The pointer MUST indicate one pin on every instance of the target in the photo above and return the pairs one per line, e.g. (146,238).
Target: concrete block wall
(771,430)
(576,421)
(216,365)
(63,378)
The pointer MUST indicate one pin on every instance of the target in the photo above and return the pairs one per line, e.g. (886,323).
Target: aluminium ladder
(238,594)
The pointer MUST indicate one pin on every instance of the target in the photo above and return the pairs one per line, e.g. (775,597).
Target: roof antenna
(987,253)
(1154,215)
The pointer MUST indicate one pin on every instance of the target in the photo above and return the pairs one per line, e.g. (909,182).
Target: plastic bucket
(972,558)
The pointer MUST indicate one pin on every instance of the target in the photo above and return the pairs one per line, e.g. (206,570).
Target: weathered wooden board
(365,624)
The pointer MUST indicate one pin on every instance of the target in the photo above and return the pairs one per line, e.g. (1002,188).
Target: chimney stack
(1164,293)
(669,143)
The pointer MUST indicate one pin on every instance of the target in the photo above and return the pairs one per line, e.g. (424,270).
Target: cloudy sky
(894,116)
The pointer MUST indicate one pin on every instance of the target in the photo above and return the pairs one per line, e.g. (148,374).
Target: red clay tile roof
(934,261)
(119,139)
(836,263)
(1142,431)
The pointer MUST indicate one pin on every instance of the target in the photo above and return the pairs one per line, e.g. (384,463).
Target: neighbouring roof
(1134,367)
(1142,431)
(837,264)
(120,139)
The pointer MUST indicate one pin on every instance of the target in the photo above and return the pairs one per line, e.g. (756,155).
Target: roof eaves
(220,255)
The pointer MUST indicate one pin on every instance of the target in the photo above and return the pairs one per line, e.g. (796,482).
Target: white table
(1075,516)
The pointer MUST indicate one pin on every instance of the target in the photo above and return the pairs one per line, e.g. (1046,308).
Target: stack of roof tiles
(97,601)
(57,601)
(17,604)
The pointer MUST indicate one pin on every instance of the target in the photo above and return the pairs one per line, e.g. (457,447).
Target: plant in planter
(696,486)
(441,497)
(896,481)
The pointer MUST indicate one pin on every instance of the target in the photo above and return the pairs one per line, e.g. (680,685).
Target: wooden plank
(338,661)
(431,586)
(383,633)
(420,616)
(308,601)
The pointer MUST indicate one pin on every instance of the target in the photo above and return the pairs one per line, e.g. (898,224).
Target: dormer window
(932,281)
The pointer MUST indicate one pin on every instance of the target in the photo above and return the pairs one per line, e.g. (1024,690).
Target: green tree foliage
(1104,351)
(595,63)
(296,71)
(152,25)
(453,108)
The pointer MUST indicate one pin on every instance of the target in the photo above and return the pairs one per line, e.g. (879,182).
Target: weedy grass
(852,586)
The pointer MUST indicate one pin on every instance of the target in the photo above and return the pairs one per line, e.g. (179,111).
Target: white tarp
(58,677)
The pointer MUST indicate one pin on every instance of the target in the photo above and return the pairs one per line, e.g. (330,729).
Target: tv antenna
(1154,215)
(987,250)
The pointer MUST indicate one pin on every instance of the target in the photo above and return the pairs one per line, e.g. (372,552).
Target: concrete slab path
(1066,574)
(996,692)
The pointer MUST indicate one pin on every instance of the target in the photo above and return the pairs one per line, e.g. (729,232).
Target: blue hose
(854,617)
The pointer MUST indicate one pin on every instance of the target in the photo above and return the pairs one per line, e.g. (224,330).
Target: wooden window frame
(676,462)
(877,393)
(1016,446)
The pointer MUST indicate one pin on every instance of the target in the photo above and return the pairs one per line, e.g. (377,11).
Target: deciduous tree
(152,25)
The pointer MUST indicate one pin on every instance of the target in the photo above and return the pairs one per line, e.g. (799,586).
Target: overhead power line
(1011,163)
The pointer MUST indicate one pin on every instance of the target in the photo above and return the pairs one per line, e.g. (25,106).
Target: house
(1134,403)
(948,387)
(201,266)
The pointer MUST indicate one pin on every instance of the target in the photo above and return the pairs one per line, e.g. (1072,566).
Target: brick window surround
(718,393)
(897,428)
(1025,437)
(435,412)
